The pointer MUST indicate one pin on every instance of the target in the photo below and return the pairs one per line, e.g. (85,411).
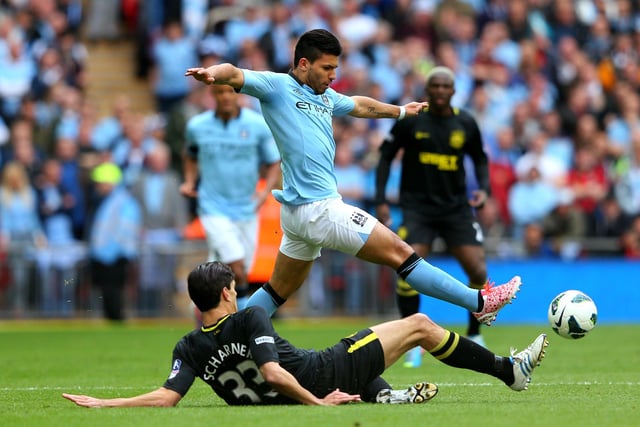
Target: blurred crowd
(554,86)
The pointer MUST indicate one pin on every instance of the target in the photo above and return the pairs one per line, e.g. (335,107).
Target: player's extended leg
(472,259)
(385,247)
(287,277)
(398,336)
(408,300)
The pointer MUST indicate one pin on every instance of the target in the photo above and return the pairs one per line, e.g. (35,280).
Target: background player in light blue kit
(298,107)
(226,149)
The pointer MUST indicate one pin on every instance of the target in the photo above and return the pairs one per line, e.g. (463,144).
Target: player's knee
(401,249)
(421,321)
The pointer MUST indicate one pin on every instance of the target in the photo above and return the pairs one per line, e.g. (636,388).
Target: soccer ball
(572,314)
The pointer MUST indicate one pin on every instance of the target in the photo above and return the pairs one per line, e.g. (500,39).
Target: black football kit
(228,354)
(433,187)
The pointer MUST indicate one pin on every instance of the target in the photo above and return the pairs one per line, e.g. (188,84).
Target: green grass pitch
(590,382)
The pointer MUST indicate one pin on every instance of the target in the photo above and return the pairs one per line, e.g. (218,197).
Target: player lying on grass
(240,356)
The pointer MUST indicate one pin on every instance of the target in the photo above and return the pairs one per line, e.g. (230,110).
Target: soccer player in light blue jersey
(298,107)
(226,150)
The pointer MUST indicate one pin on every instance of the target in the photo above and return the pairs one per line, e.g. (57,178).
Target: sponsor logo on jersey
(316,110)
(175,368)
(265,340)
(443,162)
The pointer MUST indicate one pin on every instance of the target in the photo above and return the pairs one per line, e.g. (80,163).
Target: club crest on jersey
(358,219)
(456,139)
(244,133)
(297,91)
(325,100)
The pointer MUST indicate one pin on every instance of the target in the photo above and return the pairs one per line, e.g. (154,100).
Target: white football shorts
(229,240)
(329,223)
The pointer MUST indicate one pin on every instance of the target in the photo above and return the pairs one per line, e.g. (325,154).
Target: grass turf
(588,382)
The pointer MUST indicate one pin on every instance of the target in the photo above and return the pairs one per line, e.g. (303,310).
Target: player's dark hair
(205,284)
(315,43)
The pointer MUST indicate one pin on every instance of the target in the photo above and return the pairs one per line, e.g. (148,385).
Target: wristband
(403,112)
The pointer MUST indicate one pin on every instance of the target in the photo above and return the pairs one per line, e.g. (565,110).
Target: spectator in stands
(17,70)
(20,229)
(534,244)
(114,238)
(353,27)
(550,168)
(50,73)
(531,199)
(72,181)
(620,126)
(612,221)
(110,129)
(565,227)
(130,150)
(588,181)
(57,262)
(171,54)
(502,176)
(23,150)
(310,14)
(279,35)
(164,215)
(71,103)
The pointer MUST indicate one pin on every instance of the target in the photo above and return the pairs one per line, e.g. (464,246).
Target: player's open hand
(201,74)
(415,108)
(337,397)
(85,401)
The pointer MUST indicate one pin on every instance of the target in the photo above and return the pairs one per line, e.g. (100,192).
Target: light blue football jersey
(229,155)
(301,123)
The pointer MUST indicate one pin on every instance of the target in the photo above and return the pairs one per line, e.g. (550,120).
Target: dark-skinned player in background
(433,190)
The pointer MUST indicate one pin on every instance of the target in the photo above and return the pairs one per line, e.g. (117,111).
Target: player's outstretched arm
(370,108)
(162,397)
(222,74)
(285,383)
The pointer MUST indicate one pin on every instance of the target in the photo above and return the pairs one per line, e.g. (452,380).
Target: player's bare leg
(287,277)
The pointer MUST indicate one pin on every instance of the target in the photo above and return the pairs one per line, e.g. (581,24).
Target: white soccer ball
(572,314)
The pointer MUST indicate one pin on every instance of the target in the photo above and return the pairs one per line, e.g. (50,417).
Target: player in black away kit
(241,357)
(433,188)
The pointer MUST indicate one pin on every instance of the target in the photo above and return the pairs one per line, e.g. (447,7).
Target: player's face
(226,99)
(322,72)
(439,91)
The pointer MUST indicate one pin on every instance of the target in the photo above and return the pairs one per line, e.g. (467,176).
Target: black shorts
(457,229)
(349,365)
